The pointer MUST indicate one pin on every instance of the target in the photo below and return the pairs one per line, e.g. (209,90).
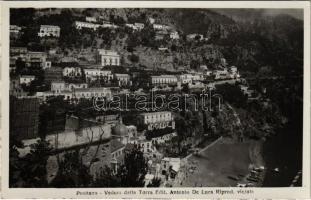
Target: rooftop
(107,52)
(115,145)
(156,113)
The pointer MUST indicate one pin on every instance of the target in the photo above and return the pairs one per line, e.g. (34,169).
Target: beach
(227,158)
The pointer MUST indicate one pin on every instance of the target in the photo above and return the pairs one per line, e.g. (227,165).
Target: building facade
(93,74)
(163,80)
(108,57)
(72,72)
(123,79)
(156,120)
(26,79)
(49,31)
(79,25)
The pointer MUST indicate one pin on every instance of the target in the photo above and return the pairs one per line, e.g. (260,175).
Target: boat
(233,178)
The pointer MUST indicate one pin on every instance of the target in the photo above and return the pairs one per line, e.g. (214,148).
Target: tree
(106,178)
(155,182)
(14,162)
(72,172)
(133,172)
(134,58)
(181,129)
(232,94)
(30,170)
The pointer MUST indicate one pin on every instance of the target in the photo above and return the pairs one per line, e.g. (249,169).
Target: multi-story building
(136,26)
(123,79)
(170,167)
(16,89)
(60,86)
(49,30)
(93,74)
(185,78)
(90,19)
(174,35)
(53,74)
(57,86)
(234,73)
(74,86)
(163,80)
(221,74)
(37,59)
(79,25)
(109,25)
(139,26)
(108,57)
(156,120)
(131,131)
(161,27)
(72,72)
(163,138)
(26,79)
(195,36)
(18,51)
(88,93)
(15,31)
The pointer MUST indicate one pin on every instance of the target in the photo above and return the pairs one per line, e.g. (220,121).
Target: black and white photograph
(156,98)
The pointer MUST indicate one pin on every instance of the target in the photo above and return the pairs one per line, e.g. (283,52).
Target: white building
(161,27)
(131,26)
(123,79)
(108,57)
(26,79)
(163,138)
(221,74)
(90,19)
(151,20)
(163,79)
(195,36)
(88,93)
(190,78)
(170,166)
(15,31)
(72,72)
(185,78)
(74,86)
(93,74)
(131,131)
(174,35)
(49,30)
(136,26)
(145,146)
(37,59)
(109,25)
(234,73)
(79,25)
(156,120)
(57,86)
(139,26)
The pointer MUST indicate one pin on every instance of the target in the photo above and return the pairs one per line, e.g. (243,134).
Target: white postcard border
(286,192)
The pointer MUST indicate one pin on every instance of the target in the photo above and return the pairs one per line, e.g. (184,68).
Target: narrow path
(238,121)
(208,146)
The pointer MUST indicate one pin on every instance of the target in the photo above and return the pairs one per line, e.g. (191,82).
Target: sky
(255,13)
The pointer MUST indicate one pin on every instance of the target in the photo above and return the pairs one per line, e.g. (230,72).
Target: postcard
(155,99)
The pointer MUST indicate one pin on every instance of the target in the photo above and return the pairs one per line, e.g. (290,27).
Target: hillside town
(57,94)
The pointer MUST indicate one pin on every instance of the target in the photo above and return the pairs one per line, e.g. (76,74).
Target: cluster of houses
(76,82)
(58,78)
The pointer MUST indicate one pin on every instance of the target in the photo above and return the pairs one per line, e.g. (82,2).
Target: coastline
(227,158)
